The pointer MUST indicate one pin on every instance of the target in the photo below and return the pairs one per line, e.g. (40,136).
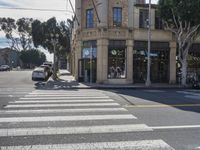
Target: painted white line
(66,95)
(68,91)
(154,91)
(193,96)
(59,105)
(62,110)
(74,130)
(121,145)
(62,101)
(189,93)
(67,118)
(49,97)
(176,127)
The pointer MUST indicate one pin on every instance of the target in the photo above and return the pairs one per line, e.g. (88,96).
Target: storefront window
(194,63)
(159,62)
(89,49)
(116,61)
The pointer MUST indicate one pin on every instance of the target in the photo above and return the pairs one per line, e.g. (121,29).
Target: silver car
(40,74)
(4,68)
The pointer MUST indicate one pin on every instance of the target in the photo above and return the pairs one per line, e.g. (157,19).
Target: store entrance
(87,70)
(159,66)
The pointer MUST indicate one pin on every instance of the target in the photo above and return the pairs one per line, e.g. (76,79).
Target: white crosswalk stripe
(74,130)
(61,101)
(125,145)
(67,118)
(94,107)
(59,105)
(67,97)
(62,110)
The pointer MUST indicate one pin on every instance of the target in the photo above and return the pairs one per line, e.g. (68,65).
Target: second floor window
(144,18)
(117,16)
(158,21)
(89,18)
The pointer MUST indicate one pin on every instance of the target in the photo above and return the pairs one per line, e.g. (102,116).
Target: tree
(17,32)
(181,17)
(52,36)
(32,57)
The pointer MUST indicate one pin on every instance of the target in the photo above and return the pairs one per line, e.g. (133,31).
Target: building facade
(9,57)
(110,43)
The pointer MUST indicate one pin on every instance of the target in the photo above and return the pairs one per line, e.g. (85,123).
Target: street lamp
(148,81)
(54,40)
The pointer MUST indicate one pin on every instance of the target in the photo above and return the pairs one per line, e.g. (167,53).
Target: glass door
(87,70)
(159,66)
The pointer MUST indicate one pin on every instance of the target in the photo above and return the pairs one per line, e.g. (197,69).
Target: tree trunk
(184,72)
(55,67)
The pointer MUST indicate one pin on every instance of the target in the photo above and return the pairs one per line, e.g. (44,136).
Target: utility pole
(148,81)
(91,65)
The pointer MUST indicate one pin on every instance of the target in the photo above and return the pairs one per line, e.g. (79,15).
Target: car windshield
(39,69)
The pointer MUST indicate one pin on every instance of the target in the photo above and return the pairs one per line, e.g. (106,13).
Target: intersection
(39,119)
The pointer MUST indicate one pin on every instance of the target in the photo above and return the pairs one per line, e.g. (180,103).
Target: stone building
(9,57)
(110,43)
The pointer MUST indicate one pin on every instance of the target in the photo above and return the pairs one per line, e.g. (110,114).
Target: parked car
(48,64)
(196,85)
(4,68)
(40,74)
(48,69)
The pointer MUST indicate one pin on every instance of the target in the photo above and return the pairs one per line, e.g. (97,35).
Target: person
(118,71)
(112,72)
(141,76)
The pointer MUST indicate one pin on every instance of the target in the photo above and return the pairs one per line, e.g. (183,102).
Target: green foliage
(183,10)
(7,25)
(17,32)
(32,57)
(42,35)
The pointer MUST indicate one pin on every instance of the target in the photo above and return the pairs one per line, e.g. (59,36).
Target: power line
(36,9)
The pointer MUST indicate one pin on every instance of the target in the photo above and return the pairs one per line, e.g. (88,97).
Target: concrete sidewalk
(68,79)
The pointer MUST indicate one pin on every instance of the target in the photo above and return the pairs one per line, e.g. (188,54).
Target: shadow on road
(169,97)
(56,85)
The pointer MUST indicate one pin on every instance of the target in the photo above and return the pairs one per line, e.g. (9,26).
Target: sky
(40,9)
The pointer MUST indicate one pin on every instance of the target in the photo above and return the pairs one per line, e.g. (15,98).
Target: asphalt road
(33,118)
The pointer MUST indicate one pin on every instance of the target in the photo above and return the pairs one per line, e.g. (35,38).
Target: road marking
(67,97)
(62,110)
(121,145)
(162,106)
(60,105)
(74,130)
(193,96)
(62,101)
(190,93)
(154,91)
(68,93)
(67,118)
(176,127)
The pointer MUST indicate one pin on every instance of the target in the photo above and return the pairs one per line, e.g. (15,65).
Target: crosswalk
(72,120)
(14,92)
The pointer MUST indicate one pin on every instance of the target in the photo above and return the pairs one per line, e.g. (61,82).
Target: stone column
(102,9)
(130,13)
(77,57)
(172,57)
(102,60)
(129,60)
(78,8)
